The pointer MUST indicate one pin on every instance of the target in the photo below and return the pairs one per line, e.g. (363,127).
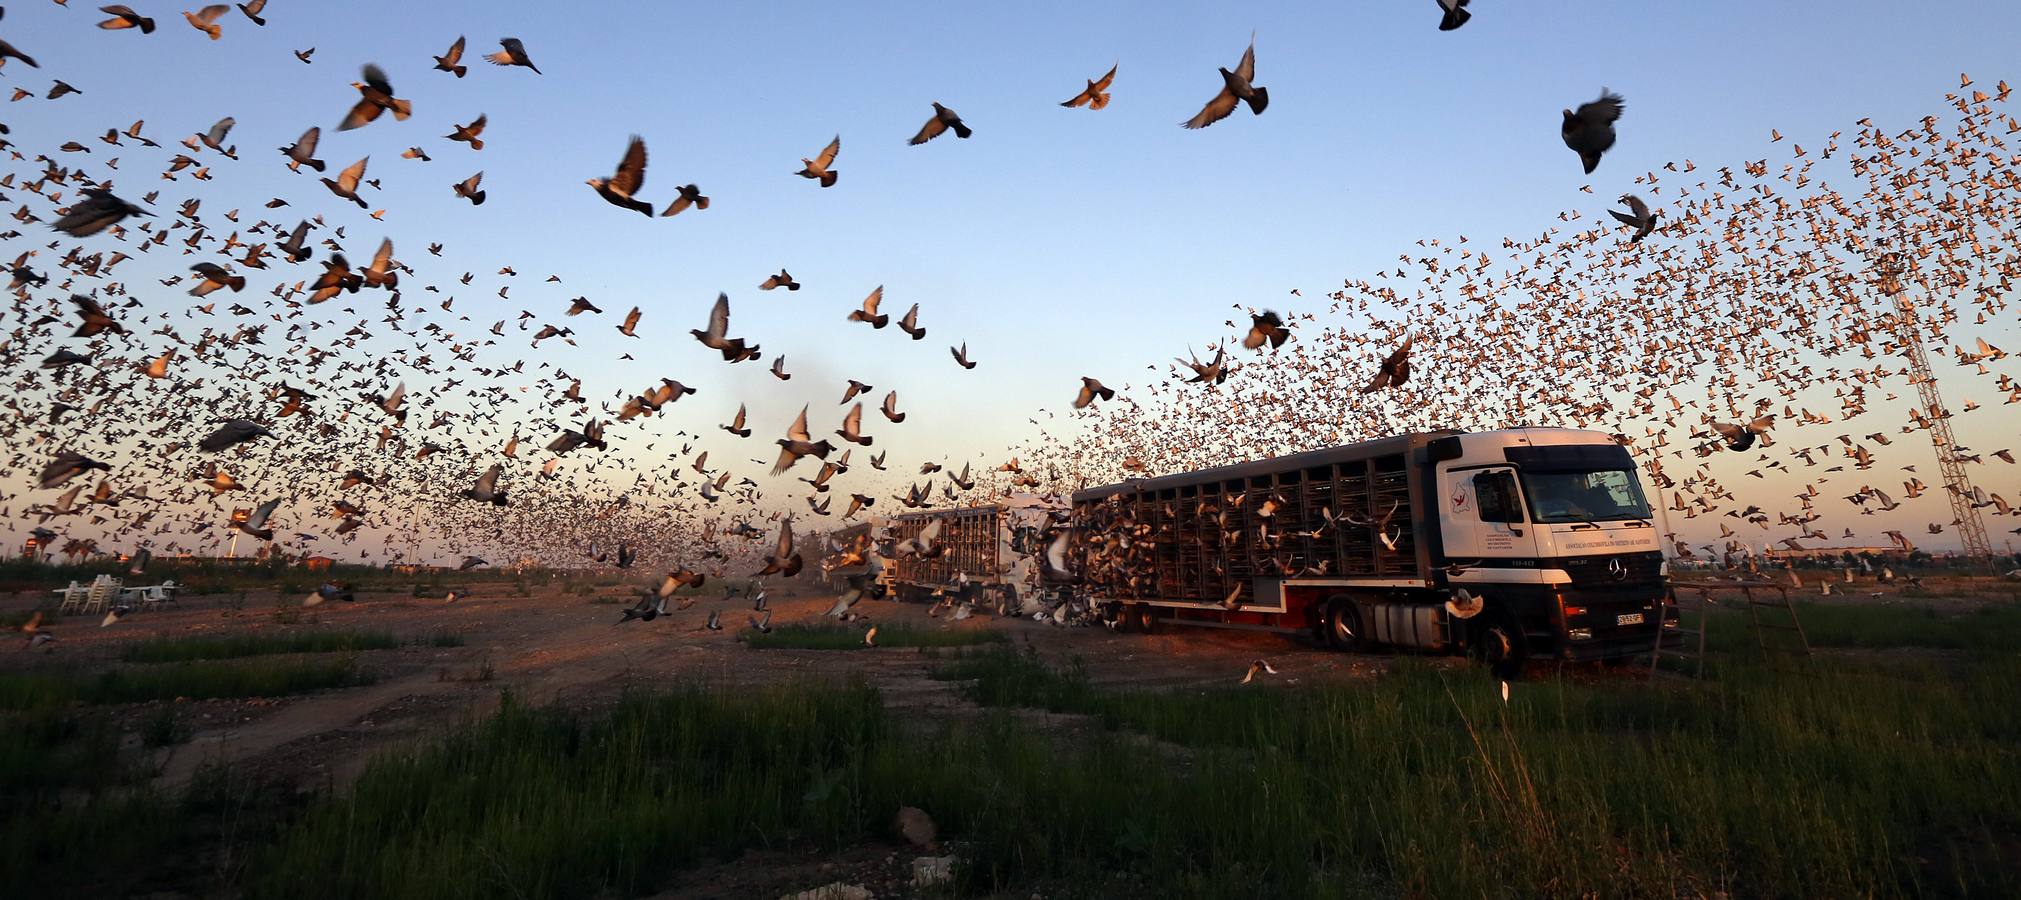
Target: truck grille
(1621,569)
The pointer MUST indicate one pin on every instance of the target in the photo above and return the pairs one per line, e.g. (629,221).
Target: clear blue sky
(1056,242)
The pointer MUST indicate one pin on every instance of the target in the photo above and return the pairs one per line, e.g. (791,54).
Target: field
(517,742)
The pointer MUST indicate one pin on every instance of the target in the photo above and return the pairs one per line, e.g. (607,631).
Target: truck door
(1482,516)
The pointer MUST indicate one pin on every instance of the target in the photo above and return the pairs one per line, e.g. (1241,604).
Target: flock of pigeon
(1749,340)
(1747,305)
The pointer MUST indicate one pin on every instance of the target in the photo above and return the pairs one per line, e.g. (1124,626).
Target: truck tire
(1343,627)
(1499,642)
(1141,618)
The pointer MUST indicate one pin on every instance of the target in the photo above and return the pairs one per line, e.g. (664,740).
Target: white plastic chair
(104,589)
(73,597)
(160,593)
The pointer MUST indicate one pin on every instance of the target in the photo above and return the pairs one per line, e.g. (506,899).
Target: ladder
(1762,601)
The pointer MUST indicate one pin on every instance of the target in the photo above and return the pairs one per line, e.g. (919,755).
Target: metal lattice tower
(1957,485)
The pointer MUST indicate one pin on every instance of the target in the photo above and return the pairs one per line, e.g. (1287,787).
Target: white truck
(1514,544)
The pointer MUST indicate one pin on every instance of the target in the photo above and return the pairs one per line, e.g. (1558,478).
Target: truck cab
(1550,527)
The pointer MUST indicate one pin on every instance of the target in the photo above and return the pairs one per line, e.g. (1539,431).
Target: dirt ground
(550,647)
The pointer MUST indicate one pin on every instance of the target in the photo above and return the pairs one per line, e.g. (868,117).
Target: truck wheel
(1343,626)
(1143,620)
(1500,642)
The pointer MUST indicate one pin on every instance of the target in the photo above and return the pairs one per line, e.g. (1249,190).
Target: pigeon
(1259,667)
(1455,14)
(467,189)
(961,355)
(909,323)
(486,490)
(1096,95)
(618,189)
(232,434)
(1265,328)
(798,443)
(67,465)
(1395,369)
(1740,437)
(943,119)
(303,151)
(1090,390)
(1236,87)
(255,523)
(95,319)
(869,314)
(782,280)
(206,19)
(375,97)
(1637,217)
(215,137)
(98,211)
(648,608)
(123,16)
(716,337)
(469,133)
(1590,131)
(820,166)
(1463,605)
(347,181)
(784,560)
(690,196)
(449,62)
(514,54)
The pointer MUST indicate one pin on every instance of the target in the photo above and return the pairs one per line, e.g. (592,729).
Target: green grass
(1866,779)
(239,646)
(1993,628)
(1861,780)
(843,637)
(74,808)
(236,646)
(189,680)
(441,639)
(547,803)
(12,621)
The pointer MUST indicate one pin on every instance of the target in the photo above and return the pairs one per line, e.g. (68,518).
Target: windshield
(1606,495)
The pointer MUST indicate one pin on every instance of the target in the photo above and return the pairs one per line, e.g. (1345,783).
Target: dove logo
(1463,499)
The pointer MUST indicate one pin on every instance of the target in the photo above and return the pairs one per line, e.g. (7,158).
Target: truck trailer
(987,553)
(1513,544)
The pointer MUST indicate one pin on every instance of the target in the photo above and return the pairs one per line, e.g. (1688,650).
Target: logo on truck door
(1463,495)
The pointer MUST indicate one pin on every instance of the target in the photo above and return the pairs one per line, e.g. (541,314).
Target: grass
(547,803)
(239,646)
(73,805)
(206,680)
(236,646)
(841,637)
(1872,782)
(13,620)
(1863,780)
(217,576)
(1991,628)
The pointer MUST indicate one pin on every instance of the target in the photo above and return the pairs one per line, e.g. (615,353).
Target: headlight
(1580,634)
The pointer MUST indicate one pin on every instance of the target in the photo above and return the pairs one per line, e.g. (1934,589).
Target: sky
(1056,242)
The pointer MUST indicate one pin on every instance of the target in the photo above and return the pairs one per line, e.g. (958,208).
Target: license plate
(1628,619)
